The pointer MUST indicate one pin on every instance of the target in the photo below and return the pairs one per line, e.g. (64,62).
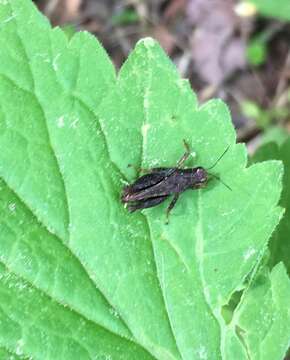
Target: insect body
(155,187)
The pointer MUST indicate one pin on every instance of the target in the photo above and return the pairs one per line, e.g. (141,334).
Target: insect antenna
(219,158)
(214,164)
(219,179)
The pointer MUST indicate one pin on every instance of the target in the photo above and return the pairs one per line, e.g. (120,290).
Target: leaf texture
(80,277)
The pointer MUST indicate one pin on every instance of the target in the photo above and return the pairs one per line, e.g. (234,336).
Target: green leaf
(252,110)
(125,17)
(35,324)
(280,244)
(272,8)
(266,332)
(256,52)
(80,277)
(69,30)
(276,134)
(267,151)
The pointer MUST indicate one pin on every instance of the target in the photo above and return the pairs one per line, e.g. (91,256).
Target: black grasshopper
(158,184)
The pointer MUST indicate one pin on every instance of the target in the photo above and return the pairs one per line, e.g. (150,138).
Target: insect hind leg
(182,160)
(170,207)
(185,156)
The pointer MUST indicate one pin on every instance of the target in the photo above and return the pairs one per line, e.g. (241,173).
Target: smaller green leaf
(273,8)
(125,17)
(268,151)
(69,30)
(276,134)
(253,111)
(256,53)
(280,241)
(263,319)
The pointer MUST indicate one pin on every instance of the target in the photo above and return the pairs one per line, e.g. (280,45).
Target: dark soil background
(208,40)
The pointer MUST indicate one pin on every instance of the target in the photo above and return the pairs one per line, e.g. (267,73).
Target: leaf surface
(80,277)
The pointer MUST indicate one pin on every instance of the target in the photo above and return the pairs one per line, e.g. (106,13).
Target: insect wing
(147,180)
(144,182)
(147,203)
(157,190)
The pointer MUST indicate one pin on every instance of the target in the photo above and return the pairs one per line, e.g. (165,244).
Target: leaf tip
(150,46)
(147,42)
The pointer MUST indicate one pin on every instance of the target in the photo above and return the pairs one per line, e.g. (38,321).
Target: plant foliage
(273,8)
(80,277)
